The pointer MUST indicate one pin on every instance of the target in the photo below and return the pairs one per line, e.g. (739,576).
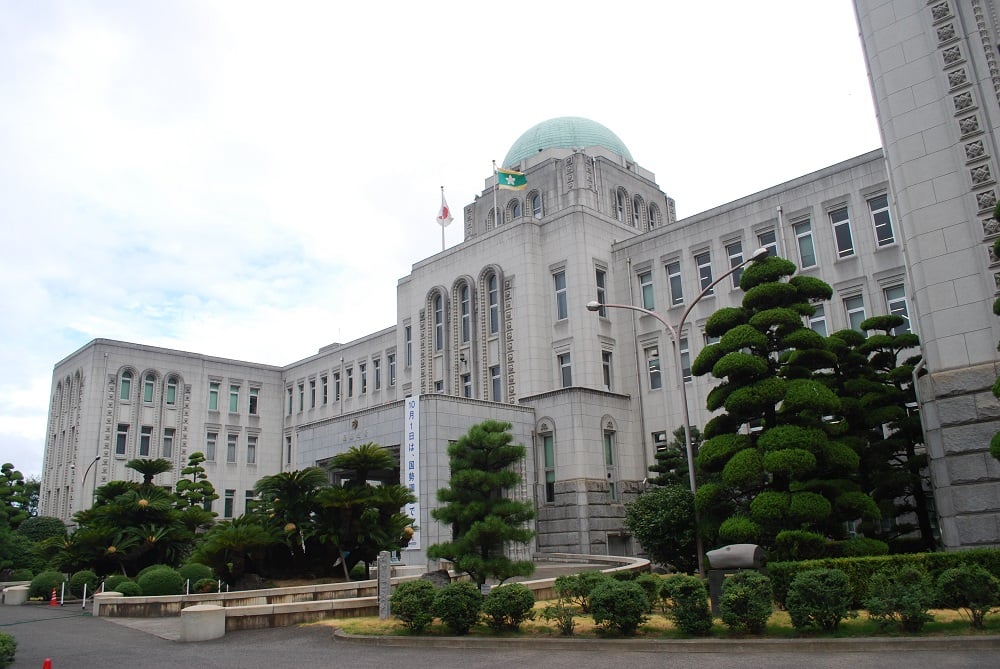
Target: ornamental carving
(981,175)
(991,226)
(974,150)
(570,174)
(969,125)
(986,200)
(951,55)
(940,11)
(963,101)
(957,78)
(996,280)
(946,33)
(993,256)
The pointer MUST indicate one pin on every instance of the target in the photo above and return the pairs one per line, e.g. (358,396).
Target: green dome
(566,132)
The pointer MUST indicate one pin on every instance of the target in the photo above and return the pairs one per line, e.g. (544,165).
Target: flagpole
(496,184)
(442,227)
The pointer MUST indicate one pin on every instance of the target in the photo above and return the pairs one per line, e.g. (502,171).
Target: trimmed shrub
(507,606)
(152,567)
(799,545)
(204,585)
(42,585)
(7,648)
(162,581)
(129,589)
(563,615)
(971,590)
(458,606)
(112,582)
(21,575)
(901,598)
(738,530)
(40,528)
(577,587)
(686,604)
(650,584)
(411,603)
(745,604)
(819,597)
(618,605)
(195,572)
(861,547)
(78,579)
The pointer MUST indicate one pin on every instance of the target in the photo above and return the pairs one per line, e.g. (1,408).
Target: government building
(498,325)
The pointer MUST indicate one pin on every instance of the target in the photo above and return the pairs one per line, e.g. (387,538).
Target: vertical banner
(410,471)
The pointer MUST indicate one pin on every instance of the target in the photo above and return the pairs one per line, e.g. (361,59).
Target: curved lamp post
(83,481)
(675,332)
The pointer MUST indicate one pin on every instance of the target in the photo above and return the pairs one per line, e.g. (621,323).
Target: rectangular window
(251,449)
(312,393)
(646,290)
(768,239)
(377,373)
(548,447)
(227,510)
(675,282)
(363,376)
(171,391)
(735,252)
(145,439)
(466,385)
(653,365)
(288,449)
(439,386)
(289,400)
(562,306)
(254,399)
(213,396)
(895,303)
(842,232)
(609,464)
(565,369)
(855,307)
(167,451)
(601,278)
(336,386)
(879,208)
(704,263)
(606,369)
(302,396)
(324,388)
(408,346)
(804,239)
(350,381)
(248,501)
(391,358)
(495,393)
(231,440)
(493,299)
(148,387)
(685,360)
(121,439)
(234,399)
(438,323)
(817,322)
(125,391)
(210,440)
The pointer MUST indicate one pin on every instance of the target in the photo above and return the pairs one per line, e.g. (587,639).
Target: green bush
(745,604)
(799,545)
(39,528)
(42,585)
(204,585)
(112,582)
(195,572)
(563,615)
(7,648)
(819,597)
(650,584)
(162,581)
(901,598)
(971,590)
(152,567)
(686,604)
(738,530)
(458,606)
(861,547)
(577,587)
(77,581)
(618,605)
(507,606)
(129,589)
(21,575)
(411,602)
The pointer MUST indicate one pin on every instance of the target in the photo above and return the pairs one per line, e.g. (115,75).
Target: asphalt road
(73,639)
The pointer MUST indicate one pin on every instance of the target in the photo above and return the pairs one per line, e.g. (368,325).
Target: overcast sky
(250,179)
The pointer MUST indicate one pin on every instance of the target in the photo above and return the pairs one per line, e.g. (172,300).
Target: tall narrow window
(324,388)
(606,369)
(515,209)
(804,238)
(817,322)
(211,438)
(493,297)
(465,302)
(377,373)
(363,377)
(121,438)
(842,232)
(879,208)
(312,393)
(213,396)
(466,385)
(704,263)
(646,290)
(895,302)
(289,400)
(536,205)
(231,440)
(336,386)
(768,239)
(637,212)
(855,307)
(653,365)
(251,449)
(601,278)
(674,280)
(654,217)
(735,253)
(145,439)
(408,346)
(234,399)
(125,388)
(391,358)
(248,501)
(167,449)
(438,323)
(548,447)
(350,381)
(685,360)
(288,449)
(609,464)
(254,399)
(495,393)
(227,509)
(171,397)
(562,306)
(148,385)
(302,396)
(620,206)
(565,369)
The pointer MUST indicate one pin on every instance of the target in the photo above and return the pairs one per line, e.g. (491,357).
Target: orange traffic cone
(47,664)
(53,601)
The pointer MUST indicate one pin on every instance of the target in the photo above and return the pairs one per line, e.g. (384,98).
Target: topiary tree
(671,459)
(485,520)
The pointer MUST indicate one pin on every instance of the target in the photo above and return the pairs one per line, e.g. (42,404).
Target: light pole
(675,332)
(83,481)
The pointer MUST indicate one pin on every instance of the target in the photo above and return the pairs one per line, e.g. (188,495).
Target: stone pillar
(384,584)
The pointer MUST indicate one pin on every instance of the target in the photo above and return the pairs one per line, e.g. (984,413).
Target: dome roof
(566,132)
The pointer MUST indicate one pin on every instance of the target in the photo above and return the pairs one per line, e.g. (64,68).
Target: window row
(229,502)
(234,401)
(515,209)
(150,445)
(127,379)
(235,451)
(549,459)
(333,386)
(464,312)
(634,211)
(843,237)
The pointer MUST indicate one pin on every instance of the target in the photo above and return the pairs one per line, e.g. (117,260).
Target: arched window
(491,220)
(515,209)
(620,205)
(171,394)
(654,216)
(465,302)
(148,385)
(637,212)
(438,322)
(125,387)
(536,205)
(493,296)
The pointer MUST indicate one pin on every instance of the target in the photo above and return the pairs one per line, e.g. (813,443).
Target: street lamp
(675,331)
(83,481)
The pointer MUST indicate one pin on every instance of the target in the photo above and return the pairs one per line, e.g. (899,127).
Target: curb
(853,645)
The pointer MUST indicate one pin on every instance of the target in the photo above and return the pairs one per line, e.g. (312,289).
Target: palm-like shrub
(507,606)
(819,597)
(745,605)
(411,603)
(458,606)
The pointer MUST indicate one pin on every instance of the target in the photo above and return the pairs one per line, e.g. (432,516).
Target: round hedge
(769,269)
(738,530)
(809,507)
(808,395)
(743,469)
(129,589)
(705,361)
(42,585)
(752,400)
(77,581)
(811,288)
(769,296)
(790,436)
(39,528)
(205,585)
(790,462)
(739,365)
(195,572)
(840,458)
(743,336)
(112,582)
(780,319)
(162,581)
(714,453)
(152,567)
(724,320)
(857,504)
(770,507)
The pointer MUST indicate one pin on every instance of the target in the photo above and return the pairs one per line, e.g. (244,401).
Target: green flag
(510,180)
